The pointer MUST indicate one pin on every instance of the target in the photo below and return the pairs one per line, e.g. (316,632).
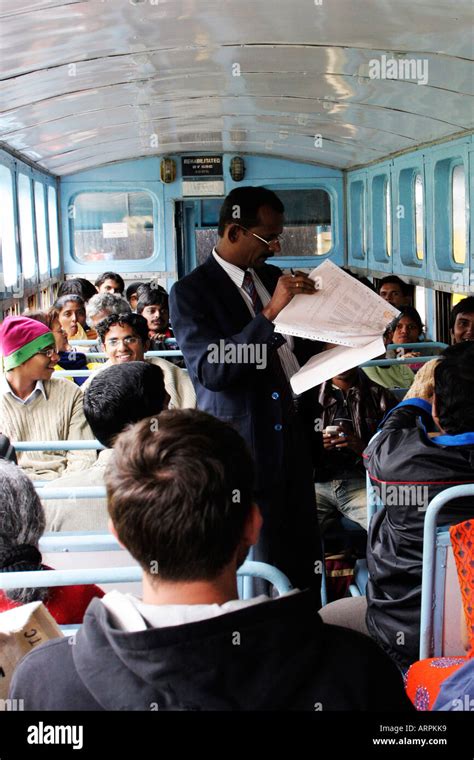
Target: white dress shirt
(5,388)
(287,358)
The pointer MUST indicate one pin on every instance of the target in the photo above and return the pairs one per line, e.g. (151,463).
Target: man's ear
(253,525)
(434,411)
(233,232)
(112,530)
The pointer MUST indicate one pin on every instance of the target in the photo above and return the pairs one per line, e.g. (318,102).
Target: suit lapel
(222,288)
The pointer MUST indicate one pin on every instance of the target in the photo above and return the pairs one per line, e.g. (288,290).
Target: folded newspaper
(344,312)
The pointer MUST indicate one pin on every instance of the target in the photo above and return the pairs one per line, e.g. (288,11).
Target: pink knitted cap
(21,338)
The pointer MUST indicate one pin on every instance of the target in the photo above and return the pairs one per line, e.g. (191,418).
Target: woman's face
(406,331)
(70,316)
(60,336)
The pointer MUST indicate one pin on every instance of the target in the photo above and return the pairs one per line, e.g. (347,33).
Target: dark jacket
(367,401)
(402,456)
(285,658)
(208,311)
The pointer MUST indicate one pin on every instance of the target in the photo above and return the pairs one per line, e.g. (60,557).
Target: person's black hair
(7,451)
(138,324)
(148,295)
(407,311)
(121,395)
(110,276)
(242,205)
(79,287)
(404,287)
(61,302)
(454,383)
(466,306)
(179,493)
(132,289)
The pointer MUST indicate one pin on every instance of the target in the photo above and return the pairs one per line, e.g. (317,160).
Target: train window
(7,228)
(53,227)
(41,235)
(358,239)
(308,230)
(419,217)
(388,219)
(458,214)
(27,236)
(112,226)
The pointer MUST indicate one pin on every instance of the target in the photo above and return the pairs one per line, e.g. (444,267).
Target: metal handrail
(58,445)
(77,492)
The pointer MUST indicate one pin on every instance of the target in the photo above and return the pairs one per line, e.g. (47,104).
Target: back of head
(179,493)
(454,383)
(40,316)
(121,395)
(79,287)
(107,303)
(22,523)
(132,289)
(242,205)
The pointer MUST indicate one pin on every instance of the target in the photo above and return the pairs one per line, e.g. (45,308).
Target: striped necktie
(249,286)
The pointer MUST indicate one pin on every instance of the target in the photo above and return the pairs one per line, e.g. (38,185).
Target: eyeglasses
(273,241)
(129,340)
(49,352)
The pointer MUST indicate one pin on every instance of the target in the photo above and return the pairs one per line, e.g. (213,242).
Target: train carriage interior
(124,124)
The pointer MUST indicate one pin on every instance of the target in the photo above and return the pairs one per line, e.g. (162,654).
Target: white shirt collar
(6,388)
(235,273)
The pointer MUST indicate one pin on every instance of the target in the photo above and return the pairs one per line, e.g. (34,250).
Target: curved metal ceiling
(88,83)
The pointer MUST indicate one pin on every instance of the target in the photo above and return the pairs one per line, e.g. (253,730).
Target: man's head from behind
(250,224)
(453,403)
(461,320)
(122,395)
(180,496)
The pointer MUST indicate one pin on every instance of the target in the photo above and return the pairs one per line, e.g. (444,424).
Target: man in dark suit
(222,315)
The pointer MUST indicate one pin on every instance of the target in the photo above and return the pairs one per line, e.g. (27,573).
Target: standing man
(222,314)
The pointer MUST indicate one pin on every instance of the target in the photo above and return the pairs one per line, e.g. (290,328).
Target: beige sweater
(177,383)
(59,417)
(78,514)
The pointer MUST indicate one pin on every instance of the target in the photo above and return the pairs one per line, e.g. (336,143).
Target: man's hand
(344,441)
(288,286)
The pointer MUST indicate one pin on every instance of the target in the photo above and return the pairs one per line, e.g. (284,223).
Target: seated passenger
(394,376)
(36,407)
(118,397)
(71,313)
(23,525)
(353,406)
(103,305)
(461,320)
(132,296)
(180,500)
(125,339)
(408,328)
(69,356)
(110,282)
(394,290)
(408,468)
(153,305)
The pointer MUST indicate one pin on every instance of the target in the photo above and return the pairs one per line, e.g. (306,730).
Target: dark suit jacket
(207,311)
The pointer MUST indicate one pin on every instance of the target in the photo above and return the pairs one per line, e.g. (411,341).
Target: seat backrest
(441,606)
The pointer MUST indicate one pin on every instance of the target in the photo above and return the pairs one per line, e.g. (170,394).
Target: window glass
(27,233)
(459,216)
(308,222)
(388,219)
(114,226)
(419,218)
(53,227)
(7,228)
(41,236)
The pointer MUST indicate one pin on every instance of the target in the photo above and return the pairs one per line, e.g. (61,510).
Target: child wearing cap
(34,406)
